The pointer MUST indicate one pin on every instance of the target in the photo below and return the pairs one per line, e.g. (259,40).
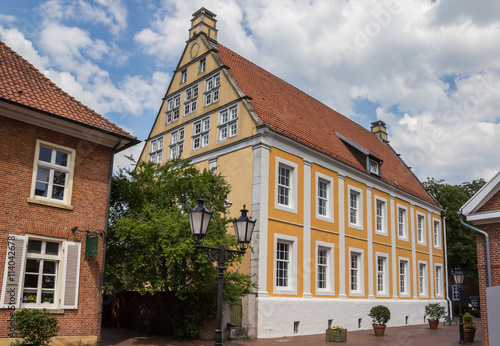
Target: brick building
(56,159)
(483,210)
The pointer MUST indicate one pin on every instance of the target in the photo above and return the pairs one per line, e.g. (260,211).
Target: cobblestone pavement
(394,336)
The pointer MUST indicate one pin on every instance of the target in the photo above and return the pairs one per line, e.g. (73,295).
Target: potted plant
(336,334)
(469,327)
(380,315)
(434,312)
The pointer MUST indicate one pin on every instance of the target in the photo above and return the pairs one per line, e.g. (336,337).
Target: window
(374,167)
(52,179)
(228,123)
(437,234)
(176,143)
(36,274)
(404,286)
(382,276)
(439,281)
(324,268)
(422,279)
(324,197)
(202,66)
(201,133)
(402,223)
(285,262)
(184,74)
(156,150)
(421,229)
(286,185)
(191,100)
(455,292)
(355,208)
(211,94)
(380,216)
(173,109)
(356,284)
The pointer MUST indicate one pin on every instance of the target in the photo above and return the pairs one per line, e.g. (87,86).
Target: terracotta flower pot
(379,329)
(433,324)
(469,335)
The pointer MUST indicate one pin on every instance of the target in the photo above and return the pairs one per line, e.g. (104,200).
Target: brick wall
(89,201)
(493,231)
(492,204)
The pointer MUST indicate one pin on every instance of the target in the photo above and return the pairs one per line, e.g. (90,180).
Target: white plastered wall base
(276,316)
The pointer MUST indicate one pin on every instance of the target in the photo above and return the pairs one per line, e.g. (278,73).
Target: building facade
(483,211)
(342,222)
(56,160)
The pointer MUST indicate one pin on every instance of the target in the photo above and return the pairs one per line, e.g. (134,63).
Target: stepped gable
(294,114)
(22,83)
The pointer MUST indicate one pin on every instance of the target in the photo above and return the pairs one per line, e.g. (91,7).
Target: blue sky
(429,69)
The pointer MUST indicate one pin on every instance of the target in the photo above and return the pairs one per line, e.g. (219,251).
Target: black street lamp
(199,218)
(458,276)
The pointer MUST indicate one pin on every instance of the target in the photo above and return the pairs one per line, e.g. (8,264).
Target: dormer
(366,158)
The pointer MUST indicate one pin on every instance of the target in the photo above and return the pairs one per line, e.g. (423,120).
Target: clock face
(195,47)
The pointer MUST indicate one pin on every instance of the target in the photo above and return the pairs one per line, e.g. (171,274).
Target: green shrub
(435,311)
(36,327)
(380,314)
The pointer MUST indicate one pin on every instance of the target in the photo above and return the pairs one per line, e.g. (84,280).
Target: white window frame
(202,136)
(359,207)
(202,65)
(383,218)
(385,275)
(329,197)
(291,288)
(292,197)
(176,146)
(211,94)
(374,167)
(421,238)
(330,269)
(436,236)
(402,224)
(455,292)
(406,279)
(68,170)
(228,121)
(183,76)
(438,280)
(191,103)
(423,280)
(360,290)
(156,150)
(173,109)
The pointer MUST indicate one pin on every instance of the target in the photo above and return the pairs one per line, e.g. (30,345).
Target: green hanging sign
(92,244)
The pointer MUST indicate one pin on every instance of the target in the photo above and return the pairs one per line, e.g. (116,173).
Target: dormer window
(374,167)
(184,74)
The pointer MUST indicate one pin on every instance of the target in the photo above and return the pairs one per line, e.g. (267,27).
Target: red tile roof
(22,83)
(293,113)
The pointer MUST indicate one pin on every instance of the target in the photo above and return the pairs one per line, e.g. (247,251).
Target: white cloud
(16,40)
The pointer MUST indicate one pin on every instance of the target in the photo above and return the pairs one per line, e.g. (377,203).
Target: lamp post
(458,276)
(199,219)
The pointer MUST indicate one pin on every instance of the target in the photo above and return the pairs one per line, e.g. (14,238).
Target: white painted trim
(482,196)
(307,232)
(425,294)
(359,216)
(369,231)
(440,238)
(484,217)
(291,289)
(441,294)
(424,227)
(385,231)
(406,227)
(360,292)
(407,293)
(431,257)
(413,235)
(386,292)
(395,267)
(342,255)
(293,167)
(330,200)
(330,276)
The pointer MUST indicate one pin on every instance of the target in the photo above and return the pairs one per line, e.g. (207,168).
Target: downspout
(487,244)
(443,215)
(101,293)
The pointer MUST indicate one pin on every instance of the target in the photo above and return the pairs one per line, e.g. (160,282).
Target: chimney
(379,129)
(203,22)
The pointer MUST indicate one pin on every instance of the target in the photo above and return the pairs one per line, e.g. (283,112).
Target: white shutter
(71,275)
(13,273)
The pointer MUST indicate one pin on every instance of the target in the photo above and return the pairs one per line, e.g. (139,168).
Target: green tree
(150,246)
(461,241)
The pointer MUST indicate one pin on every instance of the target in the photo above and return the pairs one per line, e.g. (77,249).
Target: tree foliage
(461,241)
(150,246)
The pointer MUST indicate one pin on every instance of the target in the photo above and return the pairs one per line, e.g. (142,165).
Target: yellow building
(342,223)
